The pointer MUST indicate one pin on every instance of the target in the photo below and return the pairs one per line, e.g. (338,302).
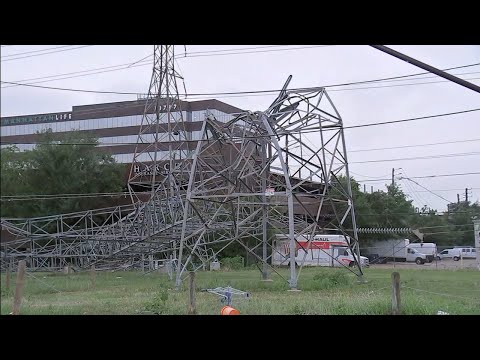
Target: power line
(249,48)
(107,145)
(251,52)
(245,92)
(446,190)
(74,90)
(90,71)
(36,51)
(350,89)
(417,158)
(424,177)
(372,177)
(410,119)
(409,146)
(141,62)
(51,52)
(441,197)
(430,77)
(417,197)
(127,65)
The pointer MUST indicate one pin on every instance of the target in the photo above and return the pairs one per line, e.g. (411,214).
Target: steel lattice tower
(263,180)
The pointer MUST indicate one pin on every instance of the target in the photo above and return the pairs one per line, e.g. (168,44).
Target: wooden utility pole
(192,309)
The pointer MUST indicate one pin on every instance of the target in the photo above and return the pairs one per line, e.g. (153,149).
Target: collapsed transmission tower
(267,181)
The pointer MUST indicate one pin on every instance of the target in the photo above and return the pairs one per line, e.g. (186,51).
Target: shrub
(157,305)
(330,279)
(233,263)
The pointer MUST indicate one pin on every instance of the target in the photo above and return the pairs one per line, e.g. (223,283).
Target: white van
(467,252)
(449,254)
(429,249)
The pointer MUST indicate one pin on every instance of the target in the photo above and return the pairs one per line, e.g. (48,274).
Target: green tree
(460,220)
(71,164)
(14,179)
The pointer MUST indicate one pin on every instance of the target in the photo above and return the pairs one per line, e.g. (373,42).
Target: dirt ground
(446,264)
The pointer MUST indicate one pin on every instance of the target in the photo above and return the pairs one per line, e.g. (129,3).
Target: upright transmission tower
(162,142)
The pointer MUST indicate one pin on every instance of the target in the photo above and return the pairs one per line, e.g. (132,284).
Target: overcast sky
(267,68)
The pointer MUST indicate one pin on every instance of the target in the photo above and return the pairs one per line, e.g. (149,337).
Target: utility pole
(393,177)
(458,198)
(466,195)
(364,188)
(427,67)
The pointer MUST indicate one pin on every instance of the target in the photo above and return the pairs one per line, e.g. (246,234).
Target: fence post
(7,279)
(19,287)
(192,310)
(395,293)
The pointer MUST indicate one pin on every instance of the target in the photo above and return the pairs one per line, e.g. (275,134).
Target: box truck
(324,250)
(394,250)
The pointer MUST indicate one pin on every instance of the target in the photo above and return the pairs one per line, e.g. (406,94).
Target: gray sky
(263,68)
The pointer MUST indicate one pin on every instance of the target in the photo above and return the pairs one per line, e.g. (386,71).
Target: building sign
(148,170)
(28,119)
(269,191)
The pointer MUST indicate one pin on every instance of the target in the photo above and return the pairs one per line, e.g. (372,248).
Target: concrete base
(362,280)
(294,290)
(267,280)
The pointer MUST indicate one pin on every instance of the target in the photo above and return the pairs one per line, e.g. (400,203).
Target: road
(439,265)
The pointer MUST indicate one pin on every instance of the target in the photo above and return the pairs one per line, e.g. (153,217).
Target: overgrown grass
(325,291)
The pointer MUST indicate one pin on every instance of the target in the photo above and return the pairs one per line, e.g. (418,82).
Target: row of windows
(146,138)
(132,139)
(103,123)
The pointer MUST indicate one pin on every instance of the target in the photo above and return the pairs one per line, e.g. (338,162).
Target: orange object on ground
(228,310)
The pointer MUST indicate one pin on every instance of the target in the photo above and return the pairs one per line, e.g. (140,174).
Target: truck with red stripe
(322,250)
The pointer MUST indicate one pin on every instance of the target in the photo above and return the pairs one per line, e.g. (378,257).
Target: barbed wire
(50,286)
(441,294)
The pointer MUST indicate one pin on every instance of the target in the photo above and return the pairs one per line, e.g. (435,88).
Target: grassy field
(325,291)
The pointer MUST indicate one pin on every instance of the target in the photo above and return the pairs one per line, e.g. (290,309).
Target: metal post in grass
(476,227)
(7,277)
(192,309)
(19,287)
(93,276)
(395,293)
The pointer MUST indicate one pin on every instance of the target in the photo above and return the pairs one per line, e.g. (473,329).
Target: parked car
(467,252)
(449,254)
(429,249)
